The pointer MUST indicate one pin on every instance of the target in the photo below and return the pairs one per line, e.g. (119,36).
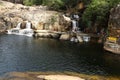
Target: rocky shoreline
(34,76)
(54,76)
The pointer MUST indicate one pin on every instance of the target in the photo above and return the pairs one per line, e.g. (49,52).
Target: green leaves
(98,12)
(29,2)
(52,4)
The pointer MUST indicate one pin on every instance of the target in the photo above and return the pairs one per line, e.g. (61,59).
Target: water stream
(21,53)
(27,31)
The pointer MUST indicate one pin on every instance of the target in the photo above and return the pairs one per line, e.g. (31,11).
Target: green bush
(32,2)
(52,4)
(97,12)
(28,2)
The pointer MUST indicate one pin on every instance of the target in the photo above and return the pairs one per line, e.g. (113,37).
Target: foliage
(97,12)
(28,2)
(56,4)
(53,4)
(71,4)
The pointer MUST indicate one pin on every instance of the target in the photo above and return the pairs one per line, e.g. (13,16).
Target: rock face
(42,19)
(112,43)
(114,22)
(65,36)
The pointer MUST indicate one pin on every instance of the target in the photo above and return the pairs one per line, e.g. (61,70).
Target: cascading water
(14,30)
(74,29)
(80,38)
(28,25)
(18,26)
(18,31)
(74,25)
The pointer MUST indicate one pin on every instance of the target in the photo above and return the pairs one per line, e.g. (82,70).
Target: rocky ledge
(53,76)
(11,14)
(36,76)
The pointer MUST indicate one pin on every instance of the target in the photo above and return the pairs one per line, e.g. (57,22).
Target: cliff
(11,14)
(114,22)
(112,43)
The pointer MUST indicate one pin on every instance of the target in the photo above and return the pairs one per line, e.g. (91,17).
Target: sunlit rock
(27,31)
(65,36)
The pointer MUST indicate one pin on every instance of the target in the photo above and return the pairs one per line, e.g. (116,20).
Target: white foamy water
(18,31)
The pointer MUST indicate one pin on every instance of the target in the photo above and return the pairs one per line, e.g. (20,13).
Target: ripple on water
(20,53)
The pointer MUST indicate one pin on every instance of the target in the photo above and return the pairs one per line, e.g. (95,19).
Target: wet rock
(19,76)
(47,34)
(44,35)
(55,36)
(65,36)
(79,38)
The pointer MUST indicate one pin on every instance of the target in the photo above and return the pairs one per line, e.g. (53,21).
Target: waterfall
(74,25)
(18,26)
(18,31)
(28,25)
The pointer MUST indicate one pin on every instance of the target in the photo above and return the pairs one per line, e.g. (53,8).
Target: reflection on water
(112,61)
(20,53)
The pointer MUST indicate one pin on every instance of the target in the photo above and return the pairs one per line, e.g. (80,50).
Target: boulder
(65,36)
(55,35)
(114,21)
(80,39)
(44,35)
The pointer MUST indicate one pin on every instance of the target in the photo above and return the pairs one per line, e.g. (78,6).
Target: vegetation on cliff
(97,13)
(94,14)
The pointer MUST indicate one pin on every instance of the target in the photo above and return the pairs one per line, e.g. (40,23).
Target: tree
(28,2)
(97,12)
(53,4)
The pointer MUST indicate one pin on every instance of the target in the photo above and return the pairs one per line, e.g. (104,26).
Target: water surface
(21,53)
